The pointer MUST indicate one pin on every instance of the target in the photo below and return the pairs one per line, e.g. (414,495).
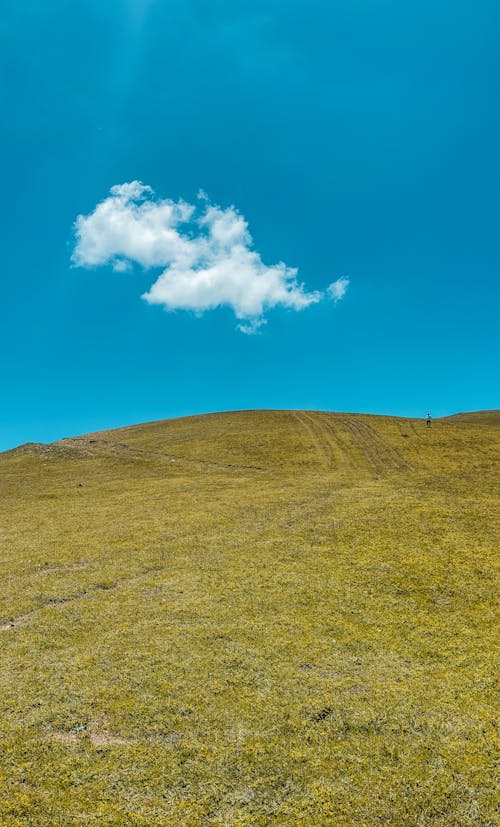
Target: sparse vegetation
(250,619)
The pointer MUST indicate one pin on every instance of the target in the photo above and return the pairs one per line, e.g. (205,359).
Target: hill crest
(349,445)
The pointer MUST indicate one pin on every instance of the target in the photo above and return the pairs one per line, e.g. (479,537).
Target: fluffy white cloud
(205,252)
(337,289)
(131,226)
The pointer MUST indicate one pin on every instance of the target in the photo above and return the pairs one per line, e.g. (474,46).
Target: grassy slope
(479,417)
(259,618)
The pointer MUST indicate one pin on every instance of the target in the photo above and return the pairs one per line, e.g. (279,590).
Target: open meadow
(252,618)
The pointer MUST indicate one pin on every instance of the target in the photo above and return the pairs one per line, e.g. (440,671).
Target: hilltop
(477,417)
(353,445)
(251,618)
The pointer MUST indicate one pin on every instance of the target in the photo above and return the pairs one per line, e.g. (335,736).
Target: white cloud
(337,289)
(205,252)
(120,265)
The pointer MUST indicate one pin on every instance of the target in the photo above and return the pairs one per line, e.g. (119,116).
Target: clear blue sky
(358,139)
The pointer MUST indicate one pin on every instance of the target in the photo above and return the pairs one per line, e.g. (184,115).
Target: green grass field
(254,618)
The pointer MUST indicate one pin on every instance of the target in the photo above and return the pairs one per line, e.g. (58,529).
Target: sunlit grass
(251,619)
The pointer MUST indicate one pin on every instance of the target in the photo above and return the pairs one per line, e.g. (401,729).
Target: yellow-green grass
(252,618)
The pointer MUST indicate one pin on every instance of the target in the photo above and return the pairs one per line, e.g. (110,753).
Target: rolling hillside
(251,618)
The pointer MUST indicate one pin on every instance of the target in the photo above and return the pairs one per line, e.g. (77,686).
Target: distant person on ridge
(428,420)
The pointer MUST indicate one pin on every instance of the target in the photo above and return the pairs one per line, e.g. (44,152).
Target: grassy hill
(478,417)
(252,618)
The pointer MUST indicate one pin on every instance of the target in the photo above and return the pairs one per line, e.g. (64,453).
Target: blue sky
(356,138)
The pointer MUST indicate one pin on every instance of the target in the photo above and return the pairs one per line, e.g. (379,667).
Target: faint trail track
(338,441)
(97,737)
(121,448)
(323,446)
(55,569)
(332,448)
(91,447)
(347,443)
(379,455)
(23,619)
